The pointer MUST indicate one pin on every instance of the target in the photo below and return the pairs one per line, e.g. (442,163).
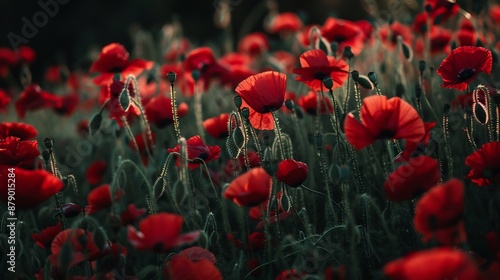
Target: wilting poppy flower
(32,186)
(45,237)
(160,233)
(33,98)
(412,179)
(345,33)
(309,103)
(290,274)
(249,189)
(197,151)
(441,10)
(23,131)
(264,92)
(434,264)
(485,165)
(383,118)
(257,120)
(254,44)
(15,152)
(389,34)
(95,172)
(131,214)
(159,111)
(463,65)
(285,22)
(315,66)
(197,253)
(217,126)
(98,199)
(439,214)
(181,267)
(114,58)
(4,100)
(68,104)
(292,172)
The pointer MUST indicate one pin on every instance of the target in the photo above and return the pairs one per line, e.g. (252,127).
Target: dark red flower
(96,171)
(160,233)
(33,187)
(69,210)
(264,92)
(114,58)
(434,264)
(202,59)
(15,152)
(290,274)
(34,98)
(98,199)
(217,126)
(131,214)
(26,54)
(254,44)
(345,33)
(309,103)
(239,165)
(383,118)
(4,100)
(197,151)
(257,120)
(181,267)
(420,23)
(316,65)
(68,104)
(292,172)
(440,41)
(410,180)
(159,111)
(439,214)
(8,58)
(494,13)
(463,65)
(389,34)
(23,131)
(249,189)
(47,235)
(197,253)
(285,22)
(441,10)
(485,165)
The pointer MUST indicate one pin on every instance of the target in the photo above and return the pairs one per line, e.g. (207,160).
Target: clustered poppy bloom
(181,267)
(485,165)
(441,10)
(250,189)
(434,264)
(412,179)
(159,111)
(96,171)
(345,33)
(98,199)
(439,214)
(34,98)
(23,131)
(33,187)
(160,233)
(463,65)
(112,94)
(217,126)
(292,172)
(131,214)
(47,235)
(197,151)
(254,44)
(17,152)
(309,103)
(383,118)
(264,92)
(114,58)
(285,22)
(316,65)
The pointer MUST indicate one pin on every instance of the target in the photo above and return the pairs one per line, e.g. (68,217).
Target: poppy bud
(245,113)
(292,172)
(196,75)
(400,90)
(324,47)
(289,104)
(125,100)
(238,137)
(365,82)
(117,76)
(480,113)
(48,143)
(407,51)
(348,52)
(334,46)
(328,82)
(428,8)
(418,92)
(46,156)
(373,77)
(70,210)
(237,101)
(95,123)
(171,76)
(355,76)
(421,66)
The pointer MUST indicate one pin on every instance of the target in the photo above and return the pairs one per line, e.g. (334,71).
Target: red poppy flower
(82,245)
(254,44)
(23,131)
(32,186)
(176,49)
(253,160)
(217,126)
(203,60)
(47,235)
(383,118)
(257,120)
(197,151)
(26,54)
(114,58)
(419,24)
(8,58)
(494,13)
(292,172)
(160,233)
(264,92)
(112,93)
(141,141)
(485,165)
(440,41)
(159,111)
(290,274)
(249,189)
(463,65)
(345,33)
(33,98)
(389,34)
(235,75)
(410,180)
(315,66)
(4,100)
(68,104)
(439,214)
(98,199)
(434,264)
(15,152)
(285,22)
(131,214)
(96,171)
(441,10)
(309,103)
(56,74)
(413,149)
(181,267)
(197,253)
